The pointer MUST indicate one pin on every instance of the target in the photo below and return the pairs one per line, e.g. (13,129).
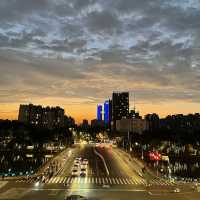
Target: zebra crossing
(100,181)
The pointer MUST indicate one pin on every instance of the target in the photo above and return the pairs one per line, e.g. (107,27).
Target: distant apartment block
(48,117)
(133,125)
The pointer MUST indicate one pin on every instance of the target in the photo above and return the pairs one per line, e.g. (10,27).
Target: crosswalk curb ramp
(99,181)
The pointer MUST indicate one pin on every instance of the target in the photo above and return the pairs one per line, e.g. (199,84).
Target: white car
(85,162)
(75,172)
(176,190)
(83,172)
(83,166)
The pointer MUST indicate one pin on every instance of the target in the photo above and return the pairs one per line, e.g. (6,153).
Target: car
(75,197)
(74,172)
(85,161)
(75,166)
(176,190)
(83,166)
(76,162)
(83,172)
(79,159)
(106,186)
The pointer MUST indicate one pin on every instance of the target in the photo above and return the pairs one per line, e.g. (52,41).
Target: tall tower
(99,112)
(120,106)
(106,112)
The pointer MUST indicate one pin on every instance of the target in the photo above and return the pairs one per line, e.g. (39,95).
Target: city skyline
(75,54)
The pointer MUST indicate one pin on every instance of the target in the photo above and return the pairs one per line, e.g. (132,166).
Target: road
(111,175)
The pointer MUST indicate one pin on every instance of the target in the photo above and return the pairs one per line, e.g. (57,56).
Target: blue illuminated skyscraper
(99,112)
(106,112)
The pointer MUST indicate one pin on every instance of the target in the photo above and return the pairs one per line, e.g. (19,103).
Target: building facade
(48,117)
(106,112)
(120,107)
(99,112)
(134,125)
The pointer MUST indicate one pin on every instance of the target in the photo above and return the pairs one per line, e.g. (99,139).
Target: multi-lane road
(110,175)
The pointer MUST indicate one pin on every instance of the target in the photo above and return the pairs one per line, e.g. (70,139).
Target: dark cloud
(70,44)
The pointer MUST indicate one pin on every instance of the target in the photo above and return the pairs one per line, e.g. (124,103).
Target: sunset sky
(74,53)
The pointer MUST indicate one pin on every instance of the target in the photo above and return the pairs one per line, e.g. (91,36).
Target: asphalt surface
(110,176)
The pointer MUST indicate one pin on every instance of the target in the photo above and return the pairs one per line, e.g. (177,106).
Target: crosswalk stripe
(68,180)
(49,181)
(64,180)
(86,178)
(106,180)
(124,181)
(134,181)
(121,181)
(57,179)
(128,181)
(142,181)
(99,180)
(138,181)
(54,180)
(103,180)
(71,180)
(131,181)
(80,180)
(110,180)
(117,180)
(61,180)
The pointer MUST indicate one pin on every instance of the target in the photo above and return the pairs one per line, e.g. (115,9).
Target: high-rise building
(106,112)
(120,107)
(85,122)
(99,112)
(48,117)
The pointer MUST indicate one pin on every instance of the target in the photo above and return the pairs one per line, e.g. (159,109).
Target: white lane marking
(96,181)
(92,180)
(113,180)
(78,179)
(104,162)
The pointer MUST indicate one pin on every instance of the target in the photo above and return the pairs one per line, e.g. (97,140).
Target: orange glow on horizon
(80,112)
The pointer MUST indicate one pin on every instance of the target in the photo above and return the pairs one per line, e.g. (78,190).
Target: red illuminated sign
(154,156)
